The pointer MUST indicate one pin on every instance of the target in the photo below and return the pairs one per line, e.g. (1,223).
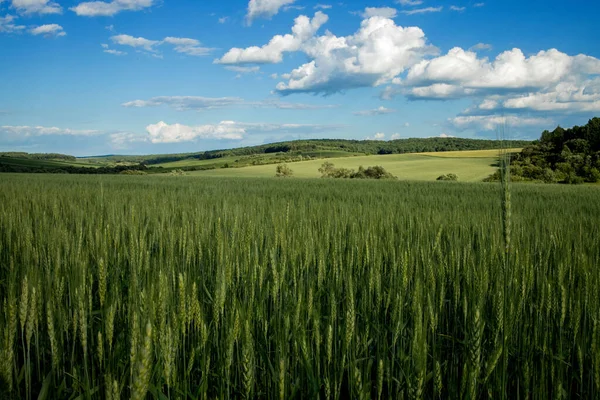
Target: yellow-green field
(470,166)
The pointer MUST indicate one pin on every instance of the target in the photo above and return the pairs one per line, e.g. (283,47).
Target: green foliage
(328,170)
(30,165)
(283,171)
(563,155)
(447,177)
(296,289)
(38,156)
(320,148)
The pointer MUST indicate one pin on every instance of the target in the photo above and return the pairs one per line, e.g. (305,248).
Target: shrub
(447,177)
(283,171)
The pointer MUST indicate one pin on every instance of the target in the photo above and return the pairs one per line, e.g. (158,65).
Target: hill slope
(470,166)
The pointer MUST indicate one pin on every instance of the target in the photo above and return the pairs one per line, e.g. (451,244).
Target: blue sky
(163,76)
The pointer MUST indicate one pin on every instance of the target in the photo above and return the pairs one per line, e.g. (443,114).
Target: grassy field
(185,287)
(236,161)
(470,166)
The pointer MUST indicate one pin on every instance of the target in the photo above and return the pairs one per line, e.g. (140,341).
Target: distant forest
(314,147)
(561,156)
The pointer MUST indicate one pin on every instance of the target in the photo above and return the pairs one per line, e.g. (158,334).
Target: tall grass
(176,287)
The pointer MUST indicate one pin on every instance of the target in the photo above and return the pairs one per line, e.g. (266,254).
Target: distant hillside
(320,148)
(274,153)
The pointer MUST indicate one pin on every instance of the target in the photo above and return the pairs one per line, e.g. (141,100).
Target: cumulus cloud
(264,8)
(425,10)
(188,46)
(377,111)
(303,30)
(51,30)
(108,9)
(437,91)
(28,131)
(385,12)
(377,136)
(136,42)
(224,130)
(27,7)
(198,103)
(546,81)
(376,54)
(8,26)
(395,136)
(445,135)
(165,133)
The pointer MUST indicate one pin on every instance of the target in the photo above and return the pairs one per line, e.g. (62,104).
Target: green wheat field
(185,287)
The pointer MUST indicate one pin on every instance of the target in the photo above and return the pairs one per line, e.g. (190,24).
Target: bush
(328,170)
(447,177)
(283,171)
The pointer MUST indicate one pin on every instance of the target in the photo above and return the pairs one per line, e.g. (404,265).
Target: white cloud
(510,70)
(264,8)
(322,6)
(445,135)
(242,70)
(481,47)
(139,42)
(303,29)
(293,7)
(122,140)
(395,136)
(547,81)
(108,9)
(187,46)
(28,131)
(377,111)
(48,30)
(409,2)
(175,133)
(423,10)
(184,103)
(457,8)
(36,7)
(224,130)
(491,122)
(478,4)
(376,54)
(377,136)
(222,20)
(7,25)
(385,12)
(115,52)
(439,91)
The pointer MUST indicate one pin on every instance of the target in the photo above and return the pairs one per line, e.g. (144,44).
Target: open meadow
(186,287)
(470,166)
